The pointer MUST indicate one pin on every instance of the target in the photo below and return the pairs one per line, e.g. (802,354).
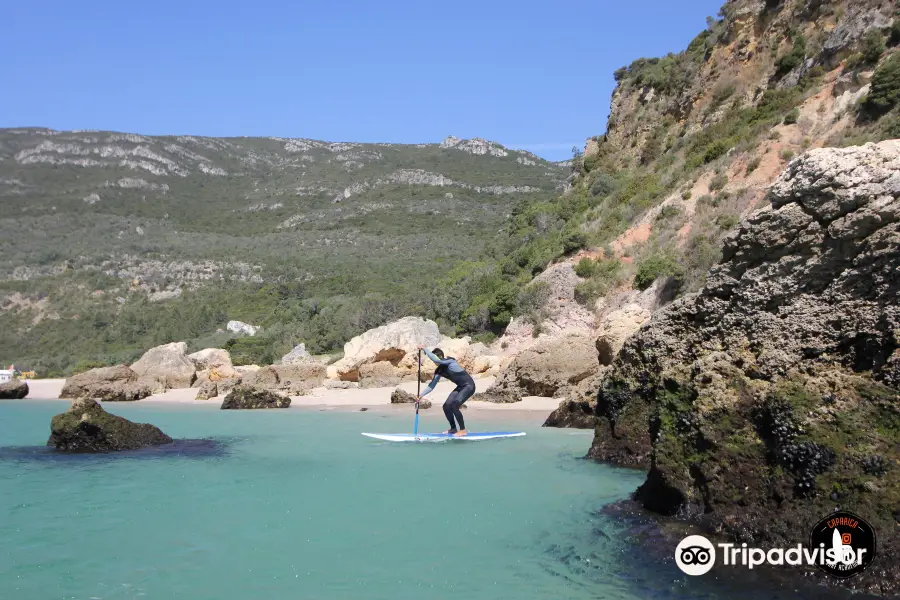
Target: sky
(529,74)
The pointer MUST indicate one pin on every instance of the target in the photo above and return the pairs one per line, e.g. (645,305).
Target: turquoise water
(297,504)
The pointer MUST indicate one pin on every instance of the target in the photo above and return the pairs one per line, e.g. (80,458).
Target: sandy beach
(49,389)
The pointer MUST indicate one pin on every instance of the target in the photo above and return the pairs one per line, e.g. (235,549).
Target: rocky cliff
(770,396)
(693,141)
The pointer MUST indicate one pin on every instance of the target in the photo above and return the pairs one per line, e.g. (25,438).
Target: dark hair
(438,352)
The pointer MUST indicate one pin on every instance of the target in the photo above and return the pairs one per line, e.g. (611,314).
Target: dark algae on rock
(769,399)
(86,427)
(249,397)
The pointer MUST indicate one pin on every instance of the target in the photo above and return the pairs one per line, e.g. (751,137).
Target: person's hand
(420,347)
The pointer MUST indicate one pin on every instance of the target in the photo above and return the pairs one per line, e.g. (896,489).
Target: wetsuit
(465,387)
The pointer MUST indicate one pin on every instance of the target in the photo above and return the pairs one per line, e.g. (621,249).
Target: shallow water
(297,504)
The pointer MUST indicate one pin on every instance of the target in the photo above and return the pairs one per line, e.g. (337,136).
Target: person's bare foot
(461,432)
(450,432)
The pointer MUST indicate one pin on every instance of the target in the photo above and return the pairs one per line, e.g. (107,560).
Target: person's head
(438,352)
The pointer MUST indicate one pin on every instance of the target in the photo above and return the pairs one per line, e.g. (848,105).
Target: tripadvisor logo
(842,545)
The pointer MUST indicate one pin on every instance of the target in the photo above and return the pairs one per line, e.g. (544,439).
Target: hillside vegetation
(694,139)
(111,243)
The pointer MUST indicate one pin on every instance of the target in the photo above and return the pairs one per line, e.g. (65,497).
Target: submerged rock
(13,390)
(247,397)
(574,414)
(86,427)
(109,384)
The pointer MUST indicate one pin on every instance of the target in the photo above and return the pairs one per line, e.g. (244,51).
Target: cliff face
(756,46)
(770,396)
(695,139)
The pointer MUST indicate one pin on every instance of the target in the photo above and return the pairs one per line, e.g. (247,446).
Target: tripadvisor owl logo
(850,543)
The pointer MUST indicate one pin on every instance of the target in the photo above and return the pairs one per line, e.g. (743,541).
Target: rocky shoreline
(767,400)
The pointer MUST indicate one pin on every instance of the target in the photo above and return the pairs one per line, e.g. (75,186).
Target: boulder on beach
(86,427)
(618,326)
(166,367)
(498,396)
(298,355)
(215,362)
(576,414)
(209,389)
(13,390)
(391,343)
(250,397)
(379,374)
(399,396)
(109,384)
(296,379)
(549,367)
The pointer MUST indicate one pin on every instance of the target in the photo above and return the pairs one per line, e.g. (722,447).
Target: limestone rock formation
(295,379)
(13,390)
(86,427)
(109,384)
(298,355)
(379,374)
(209,389)
(761,402)
(548,367)
(166,367)
(399,396)
(392,343)
(616,327)
(215,360)
(577,414)
(247,397)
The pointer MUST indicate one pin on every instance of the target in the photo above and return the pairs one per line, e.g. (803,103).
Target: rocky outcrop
(391,343)
(498,396)
(166,367)
(764,400)
(86,427)
(576,414)
(296,380)
(379,374)
(617,327)
(209,389)
(248,397)
(109,384)
(399,396)
(548,368)
(298,355)
(13,390)
(215,362)
(242,328)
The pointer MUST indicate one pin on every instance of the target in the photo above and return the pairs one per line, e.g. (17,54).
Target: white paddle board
(440,437)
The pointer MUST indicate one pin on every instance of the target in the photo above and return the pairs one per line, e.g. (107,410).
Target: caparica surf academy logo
(850,543)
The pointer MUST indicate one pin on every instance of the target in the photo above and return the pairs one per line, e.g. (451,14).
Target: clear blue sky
(526,73)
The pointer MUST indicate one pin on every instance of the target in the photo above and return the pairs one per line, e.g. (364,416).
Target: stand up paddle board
(440,437)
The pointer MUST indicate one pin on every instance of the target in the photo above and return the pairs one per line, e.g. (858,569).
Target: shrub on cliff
(653,267)
(885,91)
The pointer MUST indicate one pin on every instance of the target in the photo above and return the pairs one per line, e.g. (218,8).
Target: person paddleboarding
(465,387)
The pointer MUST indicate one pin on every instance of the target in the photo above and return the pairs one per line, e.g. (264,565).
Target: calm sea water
(297,504)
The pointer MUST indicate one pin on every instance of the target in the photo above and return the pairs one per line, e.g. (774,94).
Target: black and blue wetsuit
(465,387)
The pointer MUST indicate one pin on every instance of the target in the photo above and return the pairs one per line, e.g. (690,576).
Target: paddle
(418,391)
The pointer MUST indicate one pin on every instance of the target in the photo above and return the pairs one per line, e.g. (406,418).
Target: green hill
(112,242)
